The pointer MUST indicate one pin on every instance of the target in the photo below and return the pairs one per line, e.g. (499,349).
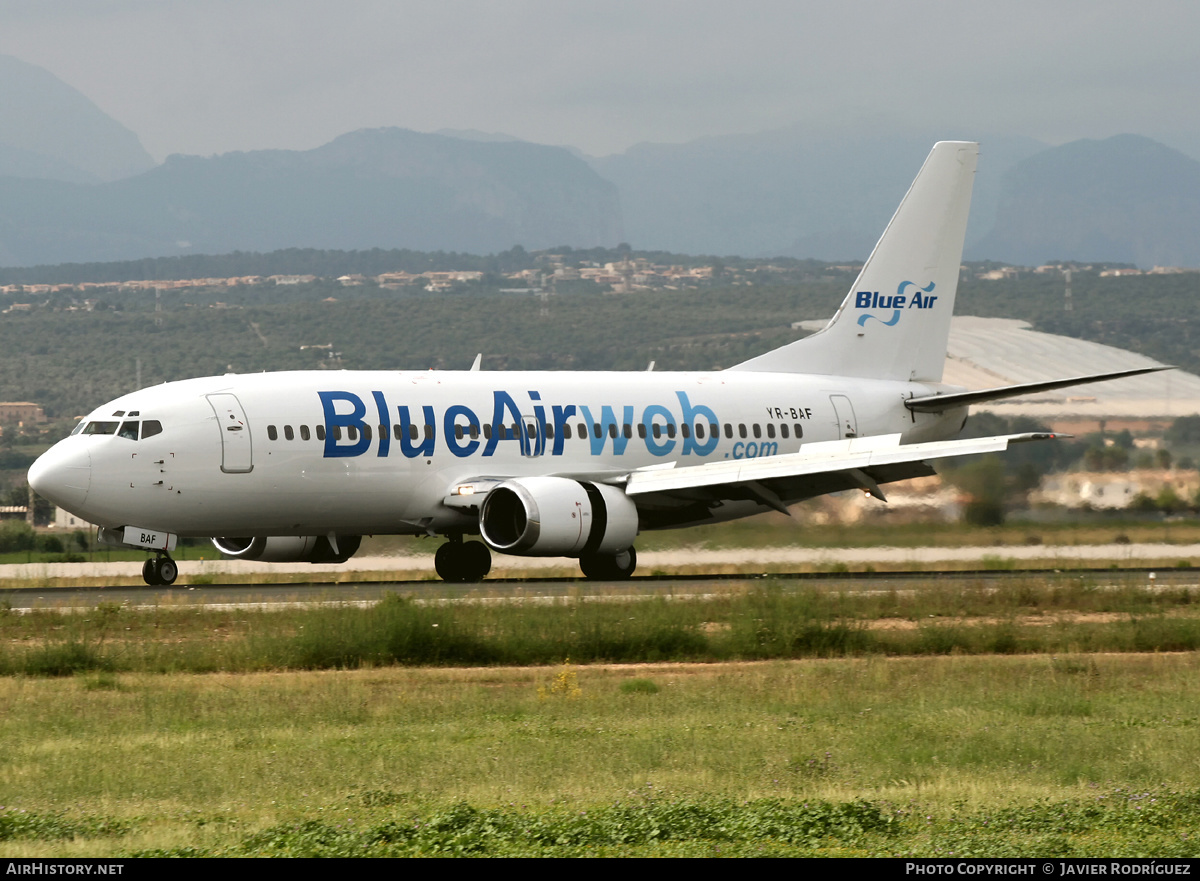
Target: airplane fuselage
(321,452)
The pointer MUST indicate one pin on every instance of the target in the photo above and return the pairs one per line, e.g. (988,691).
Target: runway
(540,590)
(746,560)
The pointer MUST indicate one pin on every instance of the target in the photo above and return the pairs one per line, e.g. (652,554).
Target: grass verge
(992,756)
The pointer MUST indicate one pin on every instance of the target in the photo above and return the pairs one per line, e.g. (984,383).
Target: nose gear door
(237,449)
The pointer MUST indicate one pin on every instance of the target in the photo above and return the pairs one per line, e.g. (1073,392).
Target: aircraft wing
(817,469)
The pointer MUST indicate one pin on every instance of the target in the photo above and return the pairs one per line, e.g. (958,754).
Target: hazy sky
(209,76)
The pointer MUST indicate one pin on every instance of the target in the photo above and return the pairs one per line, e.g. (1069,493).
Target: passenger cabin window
(288,433)
(272,434)
(320,432)
(770,429)
(128,430)
(728,430)
(799,430)
(783,431)
(304,433)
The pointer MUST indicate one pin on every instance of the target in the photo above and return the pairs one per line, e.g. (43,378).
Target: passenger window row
(511,432)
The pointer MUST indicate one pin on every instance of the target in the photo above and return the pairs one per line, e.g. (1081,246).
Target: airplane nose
(63,474)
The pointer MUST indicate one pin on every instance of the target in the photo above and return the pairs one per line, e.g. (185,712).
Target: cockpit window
(129,430)
(150,428)
(101,428)
(78,428)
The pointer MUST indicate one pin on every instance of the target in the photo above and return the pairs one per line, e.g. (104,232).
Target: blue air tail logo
(897,303)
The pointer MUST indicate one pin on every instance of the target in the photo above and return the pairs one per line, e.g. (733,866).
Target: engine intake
(556,516)
(289,548)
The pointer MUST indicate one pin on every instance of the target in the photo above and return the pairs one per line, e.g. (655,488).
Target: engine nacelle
(557,517)
(289,548)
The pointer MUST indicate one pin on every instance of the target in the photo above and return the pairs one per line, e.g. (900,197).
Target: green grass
(736,621)
(957,718)
(1072,755)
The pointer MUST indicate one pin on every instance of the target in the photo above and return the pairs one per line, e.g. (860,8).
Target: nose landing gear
(160,570)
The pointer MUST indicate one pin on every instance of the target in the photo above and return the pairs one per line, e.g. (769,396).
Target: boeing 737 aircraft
(300,465)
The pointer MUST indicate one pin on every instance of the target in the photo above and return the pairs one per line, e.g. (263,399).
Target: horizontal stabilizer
(938,403)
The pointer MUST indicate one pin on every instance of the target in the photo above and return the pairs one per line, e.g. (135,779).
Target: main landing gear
(160,570)
(609,567)
(462,562)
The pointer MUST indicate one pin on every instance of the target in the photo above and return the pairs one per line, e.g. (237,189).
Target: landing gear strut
(160,570)
(460,562)
(609,567)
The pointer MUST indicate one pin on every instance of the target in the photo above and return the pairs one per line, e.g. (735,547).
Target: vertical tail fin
(895,321)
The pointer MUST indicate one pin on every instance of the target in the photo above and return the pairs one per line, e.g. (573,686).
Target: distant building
(1105,489)
(67,520)
(21,412)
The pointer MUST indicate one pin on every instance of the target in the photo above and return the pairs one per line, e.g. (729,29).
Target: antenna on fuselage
(650,369)
(478,361)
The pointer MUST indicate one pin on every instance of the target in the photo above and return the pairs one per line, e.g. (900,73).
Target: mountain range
(76,186)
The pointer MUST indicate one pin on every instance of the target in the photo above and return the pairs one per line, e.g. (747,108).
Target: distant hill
(373,188)
(789,192)
(1126,199)
(50,130)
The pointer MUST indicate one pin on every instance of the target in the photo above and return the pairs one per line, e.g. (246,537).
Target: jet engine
(289,548)
(555,516)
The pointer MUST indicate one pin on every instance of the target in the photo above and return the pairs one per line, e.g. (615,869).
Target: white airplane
(299,466)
